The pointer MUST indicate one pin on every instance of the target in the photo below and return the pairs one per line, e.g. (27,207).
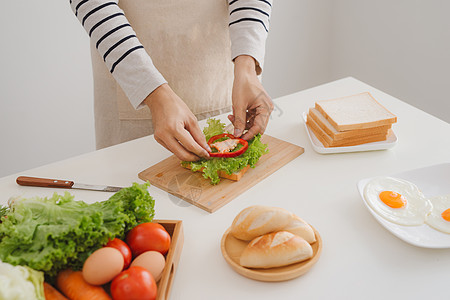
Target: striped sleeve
(249,27)
(116,41)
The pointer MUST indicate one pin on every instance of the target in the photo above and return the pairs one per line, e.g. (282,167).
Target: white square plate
(432,181)
(320,148)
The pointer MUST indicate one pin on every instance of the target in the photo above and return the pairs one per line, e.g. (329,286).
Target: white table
(360,259)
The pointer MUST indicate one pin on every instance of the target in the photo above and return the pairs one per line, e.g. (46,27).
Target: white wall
(401,47)
(46,110)
(298,46)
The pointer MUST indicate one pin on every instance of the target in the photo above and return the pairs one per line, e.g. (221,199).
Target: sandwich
(230,157)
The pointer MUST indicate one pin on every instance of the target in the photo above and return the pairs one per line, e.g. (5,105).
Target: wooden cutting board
(192,187)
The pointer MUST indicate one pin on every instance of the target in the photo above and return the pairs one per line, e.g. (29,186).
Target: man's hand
(175,126)
(251,104)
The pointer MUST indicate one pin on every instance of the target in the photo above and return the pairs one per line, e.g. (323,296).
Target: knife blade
(65,184)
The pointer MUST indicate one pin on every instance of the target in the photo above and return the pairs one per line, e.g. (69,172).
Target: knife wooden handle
(44,182)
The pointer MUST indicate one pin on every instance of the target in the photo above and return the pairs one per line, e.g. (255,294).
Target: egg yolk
(446,215)
(392,199)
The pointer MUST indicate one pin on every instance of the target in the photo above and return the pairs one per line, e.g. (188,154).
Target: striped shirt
(129,63)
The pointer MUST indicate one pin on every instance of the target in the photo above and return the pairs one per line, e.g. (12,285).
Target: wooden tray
(192,187)
(232,248)
(175,229)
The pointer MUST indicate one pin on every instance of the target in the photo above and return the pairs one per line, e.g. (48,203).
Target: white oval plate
(432,181)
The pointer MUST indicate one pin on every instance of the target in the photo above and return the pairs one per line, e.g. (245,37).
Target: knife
(65,184)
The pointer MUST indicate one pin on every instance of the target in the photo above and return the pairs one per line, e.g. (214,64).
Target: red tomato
(136,283)
(123,248)
(148,237)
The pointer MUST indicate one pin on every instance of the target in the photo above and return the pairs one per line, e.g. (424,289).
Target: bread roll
(299,227)
(257,220)
(275,249)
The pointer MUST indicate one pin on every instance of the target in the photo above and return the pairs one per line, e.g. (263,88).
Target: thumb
(240,120)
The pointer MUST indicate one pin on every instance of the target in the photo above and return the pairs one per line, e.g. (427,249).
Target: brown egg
(102,266)
(153,261)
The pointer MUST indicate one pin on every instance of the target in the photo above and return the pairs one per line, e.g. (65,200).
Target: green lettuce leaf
(51,234)
(232,164)
(214,127)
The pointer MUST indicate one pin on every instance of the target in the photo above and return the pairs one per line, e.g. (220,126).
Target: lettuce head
(51,234)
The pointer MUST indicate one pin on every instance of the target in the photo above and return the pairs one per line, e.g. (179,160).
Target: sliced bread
(336,135)
(236,176)
(327,141)
(355,112)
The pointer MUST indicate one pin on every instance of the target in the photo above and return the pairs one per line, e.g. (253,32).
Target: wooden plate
(232,248)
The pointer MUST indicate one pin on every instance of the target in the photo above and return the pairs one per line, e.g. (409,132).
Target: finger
(240,120)
(188,142)
(251,133)
(248,124)
(259,126)
(228,130)
(198,136)
(251,121)
(176,148)
(161,142)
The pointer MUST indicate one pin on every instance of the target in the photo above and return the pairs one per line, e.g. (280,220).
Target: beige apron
(189,44)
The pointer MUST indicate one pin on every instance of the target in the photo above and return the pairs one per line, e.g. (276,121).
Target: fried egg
(439,217)
(397,200)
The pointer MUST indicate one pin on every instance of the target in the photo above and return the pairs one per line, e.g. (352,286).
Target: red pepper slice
(244,144)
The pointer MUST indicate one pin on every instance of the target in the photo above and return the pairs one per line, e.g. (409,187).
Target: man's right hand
(175,126)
